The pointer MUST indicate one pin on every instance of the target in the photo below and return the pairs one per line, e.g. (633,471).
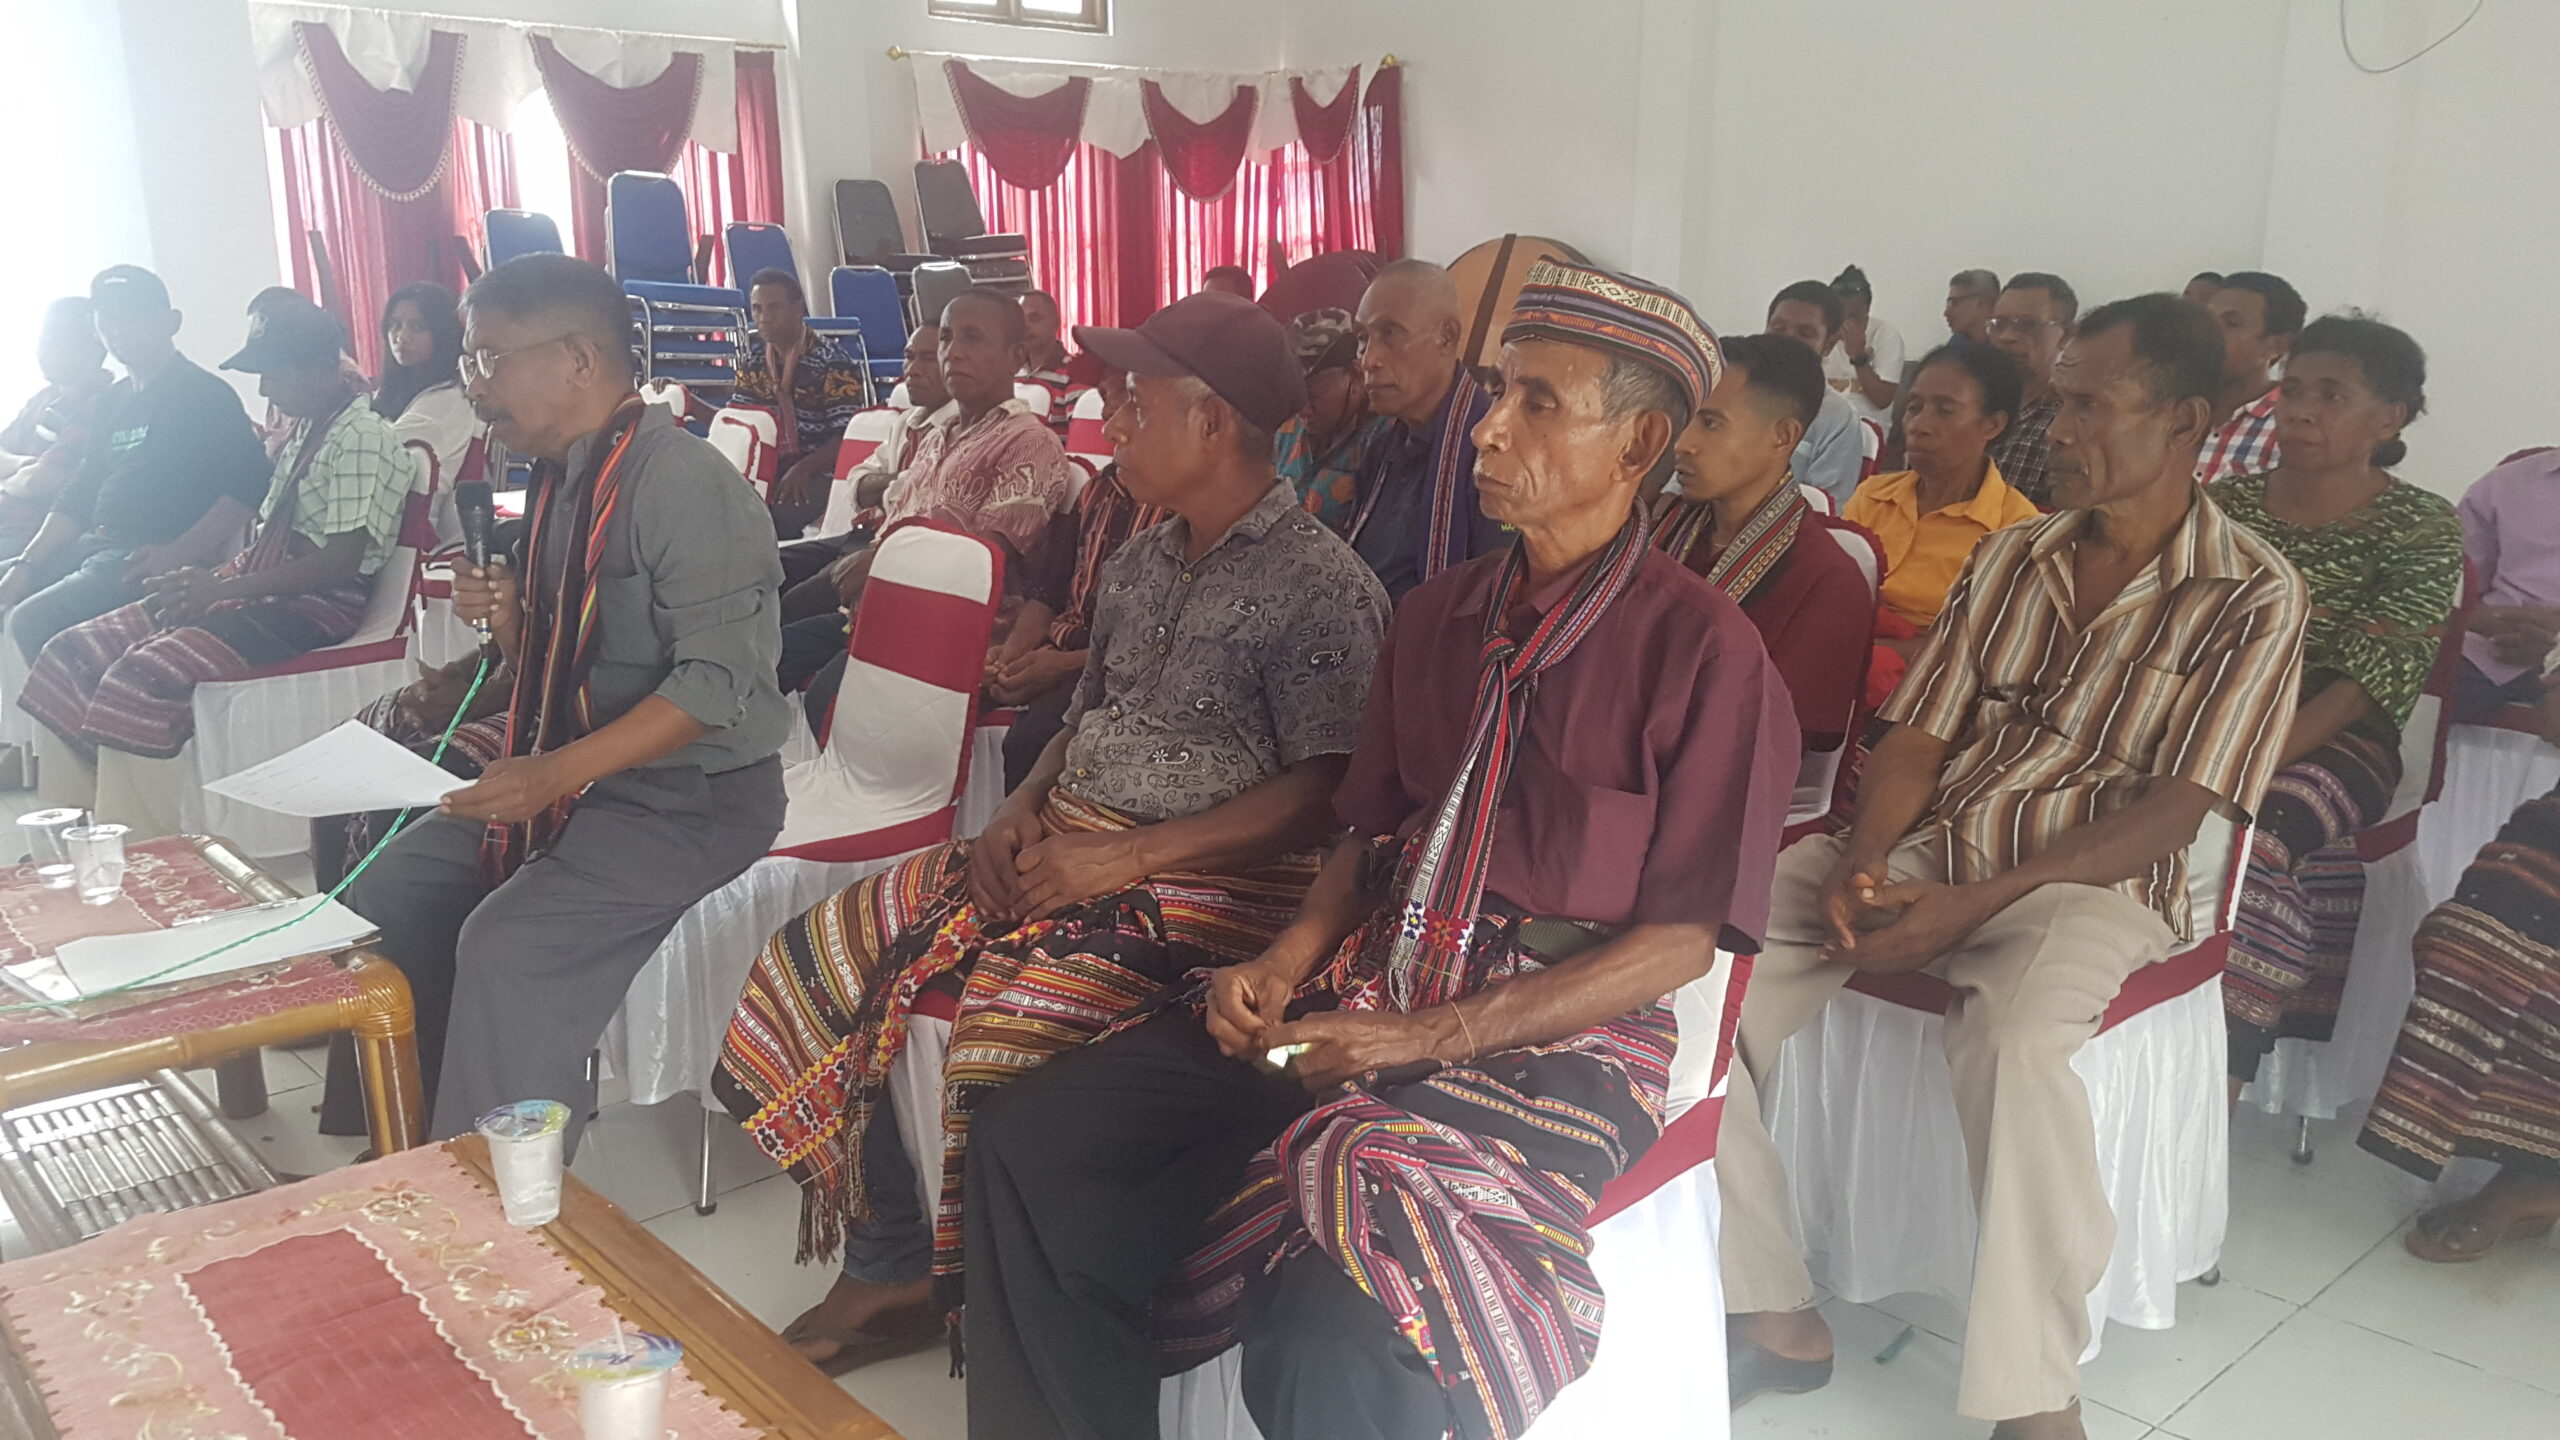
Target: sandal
(904,1331)
(1750,1370)
(2444,1237)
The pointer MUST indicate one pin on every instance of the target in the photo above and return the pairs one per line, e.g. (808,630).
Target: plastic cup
(622,1386)
(97,861)
(524,1155)
(41,832)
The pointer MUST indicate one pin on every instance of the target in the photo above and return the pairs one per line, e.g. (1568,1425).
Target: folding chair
(1085,440)
(868,232)
(888,784)
(955,227)
(867,296)
(513,233)
(687,331)
(937,284)
(753,249)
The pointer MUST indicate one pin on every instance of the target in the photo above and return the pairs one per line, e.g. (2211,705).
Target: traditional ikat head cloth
(1578,305)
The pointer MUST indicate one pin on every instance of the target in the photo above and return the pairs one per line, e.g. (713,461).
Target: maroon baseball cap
(1225,341)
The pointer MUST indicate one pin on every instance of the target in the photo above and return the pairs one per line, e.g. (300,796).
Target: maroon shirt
(1817,619)
(1652,782)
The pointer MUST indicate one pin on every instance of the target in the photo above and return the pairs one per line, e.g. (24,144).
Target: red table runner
(389,1301)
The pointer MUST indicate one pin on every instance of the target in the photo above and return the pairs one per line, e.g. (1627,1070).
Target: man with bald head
(1415,514)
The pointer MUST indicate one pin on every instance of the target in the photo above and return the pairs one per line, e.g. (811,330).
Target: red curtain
(1378,158)
(611,128)
(376,244)
(1075,226)
(396,139)
(1027,142)
(1324,128)
(747,186)
(1200,158)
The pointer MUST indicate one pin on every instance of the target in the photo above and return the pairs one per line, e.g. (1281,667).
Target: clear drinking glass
(97,861)
(41,832)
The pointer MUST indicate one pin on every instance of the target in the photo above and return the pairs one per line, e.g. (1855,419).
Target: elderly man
(1970,296)
(813,387)
(2259,314)
(118,692)
(1169,826)
(642,724)
(1414,513)
(1832,456)
(1574,767)
(871,478)
(2098,683)
(2030,321)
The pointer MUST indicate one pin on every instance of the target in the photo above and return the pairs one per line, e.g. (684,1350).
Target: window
(1050,14)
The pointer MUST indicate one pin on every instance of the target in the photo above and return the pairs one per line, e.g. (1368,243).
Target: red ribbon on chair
(1027,139)
(1322,129)
(1202,159)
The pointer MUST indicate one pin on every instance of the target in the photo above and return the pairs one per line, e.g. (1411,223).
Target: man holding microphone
(640,632)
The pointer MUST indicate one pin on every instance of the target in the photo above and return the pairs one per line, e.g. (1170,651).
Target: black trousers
(1088,1182)
(1034,726)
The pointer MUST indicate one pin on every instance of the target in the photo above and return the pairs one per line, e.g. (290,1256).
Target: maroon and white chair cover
(2316,1079)
(748,437)
(1863,1113)
(887,784)
(2491,766)
(1817,793)
(864,434)
(240,723)
(1660,1367)
(1085,441)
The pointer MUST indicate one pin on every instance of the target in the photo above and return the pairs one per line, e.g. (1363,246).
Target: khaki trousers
(2031,985)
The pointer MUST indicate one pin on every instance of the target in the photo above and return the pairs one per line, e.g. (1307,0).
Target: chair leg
(2302,1142)
(241,1084)
(595,1077)
(706,1194)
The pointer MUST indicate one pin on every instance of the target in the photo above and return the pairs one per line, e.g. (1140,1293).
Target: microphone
(477,509)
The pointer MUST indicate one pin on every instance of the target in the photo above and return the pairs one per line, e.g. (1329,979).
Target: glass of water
(97,861)
(41,832)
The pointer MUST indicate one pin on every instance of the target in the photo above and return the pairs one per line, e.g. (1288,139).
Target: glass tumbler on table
(41,832)
(97,861)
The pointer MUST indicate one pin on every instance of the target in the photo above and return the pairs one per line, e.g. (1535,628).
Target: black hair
(565,287)
(75,314)
(2285,309)
(1816,294)
(1227,272)
(1779,368)
(2393,364)
(773,275)
(2175,339)
(1852,284)
(1016,329)
(402,384)
(1991,369)
(2065,299)
(2217,277)
(1036,290)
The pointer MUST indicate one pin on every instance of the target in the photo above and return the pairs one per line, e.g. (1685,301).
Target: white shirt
(1885,343)
(441,416)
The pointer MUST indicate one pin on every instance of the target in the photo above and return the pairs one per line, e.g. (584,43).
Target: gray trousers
(85,583)
(514,985)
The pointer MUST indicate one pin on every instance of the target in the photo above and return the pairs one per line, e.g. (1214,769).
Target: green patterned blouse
(2384,579)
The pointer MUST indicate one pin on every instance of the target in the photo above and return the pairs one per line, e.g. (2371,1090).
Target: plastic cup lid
(525,1120)
(639,1354)
(51,818)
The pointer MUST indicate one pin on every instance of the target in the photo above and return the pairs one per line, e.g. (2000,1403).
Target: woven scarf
(550,706)
(785,370)
(1443,883)
(1452,464)
(1765,537)
(273,544)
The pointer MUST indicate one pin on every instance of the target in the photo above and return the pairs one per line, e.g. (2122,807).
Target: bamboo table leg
(385,1025)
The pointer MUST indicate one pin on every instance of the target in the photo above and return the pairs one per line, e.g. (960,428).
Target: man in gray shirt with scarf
(638,652)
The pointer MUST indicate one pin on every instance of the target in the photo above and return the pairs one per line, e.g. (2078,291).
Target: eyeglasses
(477,365)
(2014,325)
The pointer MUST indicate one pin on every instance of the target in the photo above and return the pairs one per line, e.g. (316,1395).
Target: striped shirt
(2191,672)
(2245,445)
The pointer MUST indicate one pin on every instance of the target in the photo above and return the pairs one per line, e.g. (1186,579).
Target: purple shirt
(1653,778)
(2511,532)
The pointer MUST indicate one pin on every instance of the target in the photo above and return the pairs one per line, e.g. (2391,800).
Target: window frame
(1095,19)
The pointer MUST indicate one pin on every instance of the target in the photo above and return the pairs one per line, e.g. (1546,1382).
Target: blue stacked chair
(756,248)
(519,232)
(867,296)
(686,331)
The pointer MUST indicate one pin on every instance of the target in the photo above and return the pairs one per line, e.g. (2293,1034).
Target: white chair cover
(747,436)
(1084,431)
(2489,770)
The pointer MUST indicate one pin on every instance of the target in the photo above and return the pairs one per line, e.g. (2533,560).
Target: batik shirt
(1328,484)
(1000,477)
(826,388)
(1206,677)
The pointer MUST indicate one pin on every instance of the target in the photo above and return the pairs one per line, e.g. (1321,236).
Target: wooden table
(376,1010)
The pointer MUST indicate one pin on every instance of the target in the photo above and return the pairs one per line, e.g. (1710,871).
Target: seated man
(121,688)
(2030,320)
(41,449)
(1047,363)
(639,768)
(1413,509)
(810,384)
(986,465)
(1832,456)
(1169,826)
(1037,668)
(171,481)
(1575,765)
(872,479)
(1740,522)
(2100,680)
(2511,533)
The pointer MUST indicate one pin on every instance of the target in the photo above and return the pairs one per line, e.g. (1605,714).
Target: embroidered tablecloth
(388,1301)
(166,881)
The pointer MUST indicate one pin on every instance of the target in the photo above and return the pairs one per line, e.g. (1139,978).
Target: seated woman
(119,690)
(421,390)
(1320,452)
(2383,560)
(1930,515)
(2475,1076)
(2511,531)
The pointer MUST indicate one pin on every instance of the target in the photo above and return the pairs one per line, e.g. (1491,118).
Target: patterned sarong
(2303,894)
(2476,1074)
(825,1011)
(1457,1201)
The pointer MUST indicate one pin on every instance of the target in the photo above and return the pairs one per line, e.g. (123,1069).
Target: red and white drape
(1118,229)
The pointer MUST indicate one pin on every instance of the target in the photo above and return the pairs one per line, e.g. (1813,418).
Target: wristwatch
(1862,362)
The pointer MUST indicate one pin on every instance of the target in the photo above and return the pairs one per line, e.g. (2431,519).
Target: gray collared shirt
(1208,677)
(687,605)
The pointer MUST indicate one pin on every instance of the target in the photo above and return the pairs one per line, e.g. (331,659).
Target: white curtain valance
(1114,113)
(389,49)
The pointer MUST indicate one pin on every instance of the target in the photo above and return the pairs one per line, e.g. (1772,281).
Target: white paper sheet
(308,927)
(352,769)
